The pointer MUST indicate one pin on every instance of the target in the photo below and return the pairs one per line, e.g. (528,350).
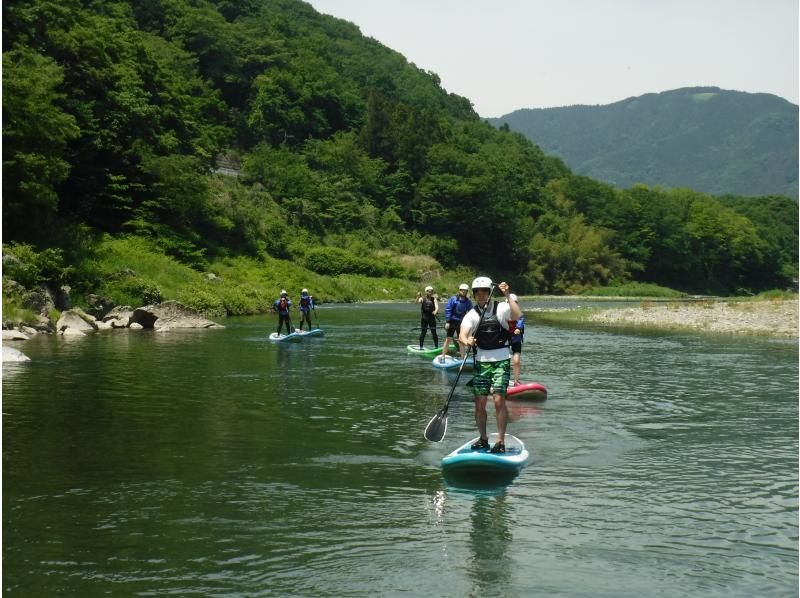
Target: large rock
(119,316)
(14,335)
(170,314)
(12,354)
(75,319)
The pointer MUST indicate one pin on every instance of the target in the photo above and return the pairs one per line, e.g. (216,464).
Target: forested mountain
(115,114)
(712,140)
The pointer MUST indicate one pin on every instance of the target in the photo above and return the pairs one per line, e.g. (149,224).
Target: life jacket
(283,306)
(490,333)
(460,308)
(305,301)
(427,305)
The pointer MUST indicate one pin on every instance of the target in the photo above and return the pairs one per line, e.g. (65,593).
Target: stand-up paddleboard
(415,350)
(285,338)
(466,462)
(449,362)
(532,391)
(315,332)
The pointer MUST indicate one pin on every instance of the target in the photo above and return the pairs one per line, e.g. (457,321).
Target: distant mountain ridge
(712,140)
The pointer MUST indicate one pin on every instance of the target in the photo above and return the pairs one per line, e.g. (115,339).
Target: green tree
(36,135)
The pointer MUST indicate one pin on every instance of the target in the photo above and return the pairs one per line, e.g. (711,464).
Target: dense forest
(350,161)
(709,139)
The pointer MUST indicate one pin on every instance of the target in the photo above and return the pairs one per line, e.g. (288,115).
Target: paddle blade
(437,427)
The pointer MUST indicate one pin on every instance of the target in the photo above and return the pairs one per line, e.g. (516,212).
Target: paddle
(437,427)
(316,317)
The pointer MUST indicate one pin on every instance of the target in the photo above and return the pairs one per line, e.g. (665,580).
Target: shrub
(334,261)
(203,300)
(133,291)
(30,268)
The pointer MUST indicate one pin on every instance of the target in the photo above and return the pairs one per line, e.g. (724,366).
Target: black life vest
(490,333)
(427,306)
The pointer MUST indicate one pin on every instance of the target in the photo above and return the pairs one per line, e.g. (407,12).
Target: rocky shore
(768,318)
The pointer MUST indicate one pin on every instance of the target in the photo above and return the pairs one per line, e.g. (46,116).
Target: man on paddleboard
(490,340)
(281,307)
(429,307)
(455,310)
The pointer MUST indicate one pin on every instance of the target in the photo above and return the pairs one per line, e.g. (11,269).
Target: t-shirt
(470,324)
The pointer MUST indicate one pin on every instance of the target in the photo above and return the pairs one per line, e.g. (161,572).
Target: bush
(203,300)
(333,261)
(133,291)
(30,268)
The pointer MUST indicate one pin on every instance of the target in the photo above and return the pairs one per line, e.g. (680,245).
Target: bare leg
(445,348)
(502,416)
(480,415)
(515,365)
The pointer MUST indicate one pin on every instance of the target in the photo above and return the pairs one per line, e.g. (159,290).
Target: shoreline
(773,318)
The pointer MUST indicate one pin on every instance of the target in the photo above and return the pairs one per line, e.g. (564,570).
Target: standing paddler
(490,338)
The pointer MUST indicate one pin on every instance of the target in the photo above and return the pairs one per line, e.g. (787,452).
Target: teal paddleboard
(285,338)
(449,362)
(315,332)
(464,461)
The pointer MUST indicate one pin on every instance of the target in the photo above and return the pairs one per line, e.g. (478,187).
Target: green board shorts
(490,374)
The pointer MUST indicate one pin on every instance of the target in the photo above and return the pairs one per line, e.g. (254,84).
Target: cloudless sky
(504,55)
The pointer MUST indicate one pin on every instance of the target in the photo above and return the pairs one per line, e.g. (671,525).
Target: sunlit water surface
(213,463)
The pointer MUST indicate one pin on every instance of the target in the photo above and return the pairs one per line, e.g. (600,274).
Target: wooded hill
(115,115)
(712,140)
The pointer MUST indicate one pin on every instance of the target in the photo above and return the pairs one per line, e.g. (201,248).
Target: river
(215,463)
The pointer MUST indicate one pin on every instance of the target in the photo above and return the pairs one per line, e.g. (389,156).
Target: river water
(213,463)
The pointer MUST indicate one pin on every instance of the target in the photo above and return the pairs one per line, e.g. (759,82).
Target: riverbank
(776,318)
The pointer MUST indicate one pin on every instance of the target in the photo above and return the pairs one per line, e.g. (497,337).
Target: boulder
(170,314)
(14,335)
(75,319)
(12,354)
(119,316)
(120,312)
(72,332)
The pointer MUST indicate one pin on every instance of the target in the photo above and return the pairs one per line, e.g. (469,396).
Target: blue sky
(513,54)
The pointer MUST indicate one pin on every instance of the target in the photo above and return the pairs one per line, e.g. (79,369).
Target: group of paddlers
(494,331)
(283,304)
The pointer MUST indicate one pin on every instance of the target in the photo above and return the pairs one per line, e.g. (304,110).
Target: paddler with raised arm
(490,342)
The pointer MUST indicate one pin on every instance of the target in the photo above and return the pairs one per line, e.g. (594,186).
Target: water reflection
(490,539)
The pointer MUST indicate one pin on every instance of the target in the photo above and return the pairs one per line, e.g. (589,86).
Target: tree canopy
(116,113)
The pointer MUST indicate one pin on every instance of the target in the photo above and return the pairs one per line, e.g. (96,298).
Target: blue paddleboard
(315,332)
(284,338)
(465,461)
(449,362)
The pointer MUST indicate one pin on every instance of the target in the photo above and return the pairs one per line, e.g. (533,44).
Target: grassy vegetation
(134,271)
(635,290)
(12,312)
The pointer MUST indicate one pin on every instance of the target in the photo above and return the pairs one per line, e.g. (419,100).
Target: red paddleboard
(532,391)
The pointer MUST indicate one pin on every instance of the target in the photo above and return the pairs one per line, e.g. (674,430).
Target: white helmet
(482,282)
(428,288)
(463,287)
(283,292)
(304,291)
